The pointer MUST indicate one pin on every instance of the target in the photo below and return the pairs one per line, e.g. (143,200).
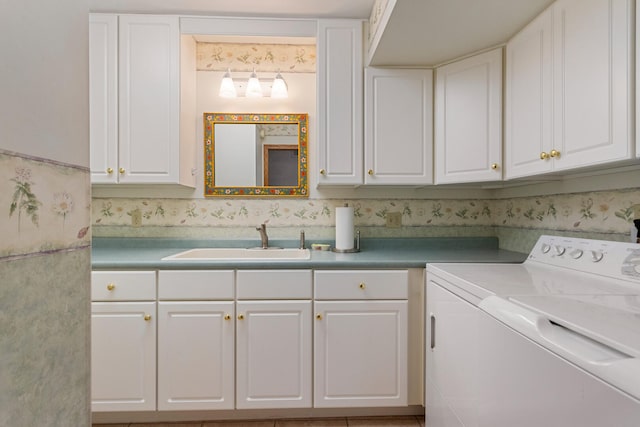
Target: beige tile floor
(410,421)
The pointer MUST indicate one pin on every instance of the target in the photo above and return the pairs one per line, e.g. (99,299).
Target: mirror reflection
(255,154)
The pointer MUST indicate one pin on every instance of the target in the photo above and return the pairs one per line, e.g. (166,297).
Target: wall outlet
(394,219)
(136,218)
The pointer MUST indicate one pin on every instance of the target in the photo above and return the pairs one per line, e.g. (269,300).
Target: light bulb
(227,88)
(279,88)
(253,86)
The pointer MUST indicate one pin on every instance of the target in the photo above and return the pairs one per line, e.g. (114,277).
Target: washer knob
(576,253)
(545,248)
(596,256)
(560,250)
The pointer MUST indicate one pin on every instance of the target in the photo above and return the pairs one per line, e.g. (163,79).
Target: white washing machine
(554,341)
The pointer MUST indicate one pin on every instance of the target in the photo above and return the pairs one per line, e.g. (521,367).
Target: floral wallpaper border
(245,57)
(46,205)
(598,212)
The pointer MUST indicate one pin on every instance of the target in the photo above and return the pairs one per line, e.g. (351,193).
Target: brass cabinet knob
(494,166)
(544,155)
(323,172)
(227,317)
(554,153)
(147,317)
(370,171)
(109,171)
(121,170)
(362,285)
(319,316)
(240,316)
(111,287)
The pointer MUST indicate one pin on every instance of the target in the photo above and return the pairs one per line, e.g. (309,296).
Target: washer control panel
(612,259)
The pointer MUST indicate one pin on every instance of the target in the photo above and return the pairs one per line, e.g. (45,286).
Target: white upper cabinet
(569,99)
(468,119)
(142,145)
(398,126)
(592,63)
(340,123)
(103,97)
(528,103)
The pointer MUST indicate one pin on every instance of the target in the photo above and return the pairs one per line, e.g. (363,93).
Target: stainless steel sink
(239,254)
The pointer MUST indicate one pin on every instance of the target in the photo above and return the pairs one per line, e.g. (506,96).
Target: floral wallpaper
(594,212)
(261,57)
(45,205)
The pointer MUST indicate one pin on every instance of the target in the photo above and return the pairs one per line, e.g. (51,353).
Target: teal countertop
(147,253)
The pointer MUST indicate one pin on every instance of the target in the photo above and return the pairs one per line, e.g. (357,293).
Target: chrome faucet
(262,228)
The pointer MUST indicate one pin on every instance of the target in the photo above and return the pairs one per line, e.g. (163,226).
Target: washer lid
(613,320)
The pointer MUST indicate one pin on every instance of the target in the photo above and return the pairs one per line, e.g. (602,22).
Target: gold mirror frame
(211,190)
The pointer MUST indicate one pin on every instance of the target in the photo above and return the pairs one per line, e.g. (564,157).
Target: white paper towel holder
(352,250)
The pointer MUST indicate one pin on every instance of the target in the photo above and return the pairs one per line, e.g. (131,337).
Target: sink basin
(239,254)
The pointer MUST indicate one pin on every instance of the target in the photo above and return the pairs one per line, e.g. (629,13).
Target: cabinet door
(398,140)
(195,355)
(592,82)
(468,119)
(528,111)
(149,97)
(340,90)
(123,356)
(103,97)
(360,352)
(273,354)
(451,387)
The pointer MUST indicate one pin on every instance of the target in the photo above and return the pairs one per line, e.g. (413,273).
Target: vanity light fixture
(279,87)
(252,87)
(227,88)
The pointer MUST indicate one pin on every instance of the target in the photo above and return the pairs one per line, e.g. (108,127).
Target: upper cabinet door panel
(340,102)
(528,111)
(398,126)
(593,72)
(103,99)
(468,119)
(149,91)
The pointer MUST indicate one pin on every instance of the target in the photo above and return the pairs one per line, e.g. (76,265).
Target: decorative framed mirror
(255,155)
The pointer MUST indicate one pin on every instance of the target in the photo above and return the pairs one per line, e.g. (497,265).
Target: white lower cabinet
(249,339)
(195,355)
(123,341)
(360,339)
(195,340)
(273,350)
(273,354)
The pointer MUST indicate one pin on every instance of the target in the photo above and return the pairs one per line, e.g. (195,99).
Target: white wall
(44,107)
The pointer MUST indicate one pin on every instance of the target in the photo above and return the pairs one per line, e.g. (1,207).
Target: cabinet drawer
(274,284)
(195,285)
(361,284)
(123,285)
